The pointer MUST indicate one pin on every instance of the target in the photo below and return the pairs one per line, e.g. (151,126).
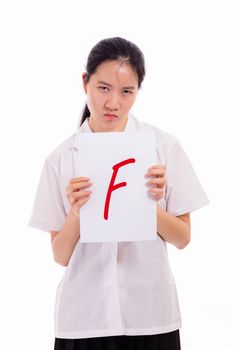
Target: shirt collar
(130,126)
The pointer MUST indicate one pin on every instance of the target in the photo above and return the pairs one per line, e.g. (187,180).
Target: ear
(84,81)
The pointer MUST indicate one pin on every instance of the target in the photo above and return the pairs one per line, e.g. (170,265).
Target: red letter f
(113,187)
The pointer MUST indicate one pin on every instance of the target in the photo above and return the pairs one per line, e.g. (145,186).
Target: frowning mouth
(110,116)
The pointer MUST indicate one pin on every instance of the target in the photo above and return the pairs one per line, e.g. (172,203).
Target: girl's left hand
(157,172)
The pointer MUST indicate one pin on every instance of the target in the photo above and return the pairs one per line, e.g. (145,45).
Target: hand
(76,196)
(157,172)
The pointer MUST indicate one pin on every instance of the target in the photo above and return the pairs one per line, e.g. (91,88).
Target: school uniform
(117,293)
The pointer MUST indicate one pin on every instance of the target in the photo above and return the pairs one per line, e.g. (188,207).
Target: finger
(77,186)
(78,179)
(159,172)
(72,183)
(81,194)
(77,183)
(76,196)
(156,191)
(159,182)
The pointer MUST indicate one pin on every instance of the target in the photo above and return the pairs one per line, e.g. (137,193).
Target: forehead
(116,71)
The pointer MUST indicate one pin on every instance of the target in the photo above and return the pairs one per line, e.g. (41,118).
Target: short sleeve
(184,192)
(48,213)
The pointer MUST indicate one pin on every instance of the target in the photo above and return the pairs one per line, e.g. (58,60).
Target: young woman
(116,295)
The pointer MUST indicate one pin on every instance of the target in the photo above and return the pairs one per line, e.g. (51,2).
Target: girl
(116,295)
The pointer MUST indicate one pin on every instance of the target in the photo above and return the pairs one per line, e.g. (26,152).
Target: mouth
(110,116)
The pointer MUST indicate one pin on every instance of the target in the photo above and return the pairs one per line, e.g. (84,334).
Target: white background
(187,91)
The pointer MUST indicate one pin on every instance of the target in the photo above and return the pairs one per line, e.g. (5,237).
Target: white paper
(132,210)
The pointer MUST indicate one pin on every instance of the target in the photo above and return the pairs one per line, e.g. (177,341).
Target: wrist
(74,213)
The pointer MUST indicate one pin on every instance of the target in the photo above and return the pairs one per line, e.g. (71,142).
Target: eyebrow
(125,87)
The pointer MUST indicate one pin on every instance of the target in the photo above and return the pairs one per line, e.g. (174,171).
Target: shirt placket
(113,307)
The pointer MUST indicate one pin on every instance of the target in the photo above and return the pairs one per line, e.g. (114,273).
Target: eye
(127,92)
(103,88)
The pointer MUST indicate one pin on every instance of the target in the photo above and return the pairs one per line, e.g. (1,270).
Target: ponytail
(85,114)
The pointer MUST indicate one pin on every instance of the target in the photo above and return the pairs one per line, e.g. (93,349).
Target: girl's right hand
(75,193)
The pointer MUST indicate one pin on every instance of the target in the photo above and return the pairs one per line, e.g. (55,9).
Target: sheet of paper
(126,213)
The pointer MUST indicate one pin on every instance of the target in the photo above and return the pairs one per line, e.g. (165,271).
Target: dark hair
(114,49)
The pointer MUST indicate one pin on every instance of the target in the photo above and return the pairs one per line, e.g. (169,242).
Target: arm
(64,241)
(174,229)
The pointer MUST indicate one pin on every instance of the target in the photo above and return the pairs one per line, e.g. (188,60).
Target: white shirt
(116,288)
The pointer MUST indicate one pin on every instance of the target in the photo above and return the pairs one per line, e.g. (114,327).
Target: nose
(113,102)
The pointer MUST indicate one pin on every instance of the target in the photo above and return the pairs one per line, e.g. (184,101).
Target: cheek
(130,101)
(95,100)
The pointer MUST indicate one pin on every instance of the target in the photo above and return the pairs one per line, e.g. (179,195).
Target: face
(111,92)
